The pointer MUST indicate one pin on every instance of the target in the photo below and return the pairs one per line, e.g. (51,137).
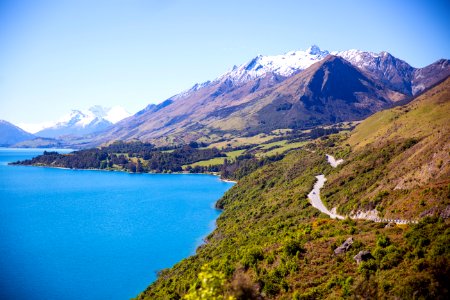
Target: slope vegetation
(270,243)
(399,160)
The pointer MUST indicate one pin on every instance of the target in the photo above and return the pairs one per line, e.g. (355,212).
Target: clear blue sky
(58,55)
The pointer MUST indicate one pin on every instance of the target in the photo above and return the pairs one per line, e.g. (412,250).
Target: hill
(270,243)
(11,134)
(402,156)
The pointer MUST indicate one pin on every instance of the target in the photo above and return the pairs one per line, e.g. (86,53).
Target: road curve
(314,198)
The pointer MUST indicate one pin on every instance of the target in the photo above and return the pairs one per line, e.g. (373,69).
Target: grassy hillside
(270,243)
(399,160)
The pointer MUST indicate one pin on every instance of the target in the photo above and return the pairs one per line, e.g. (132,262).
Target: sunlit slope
(427,115)
(399,160)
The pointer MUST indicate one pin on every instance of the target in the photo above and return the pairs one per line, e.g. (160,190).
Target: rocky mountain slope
(270,243)
(11,134)
(272,88)
(395,73)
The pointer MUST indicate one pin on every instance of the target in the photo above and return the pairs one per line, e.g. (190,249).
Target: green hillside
(270,243)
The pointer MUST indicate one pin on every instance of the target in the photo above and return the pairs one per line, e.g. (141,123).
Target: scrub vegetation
(270,243)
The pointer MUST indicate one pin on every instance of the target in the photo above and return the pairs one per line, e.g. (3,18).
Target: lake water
(77,234)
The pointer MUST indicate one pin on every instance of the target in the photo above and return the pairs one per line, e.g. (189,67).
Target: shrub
(383,241)
(252,256)
(210,285)
(367,267)
(293,247)
(392,258)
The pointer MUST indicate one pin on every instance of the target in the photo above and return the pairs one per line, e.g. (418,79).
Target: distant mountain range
(81,122)
(300,89)
(11,134)
(75,124)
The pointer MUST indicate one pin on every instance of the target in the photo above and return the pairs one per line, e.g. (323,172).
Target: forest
(135,157)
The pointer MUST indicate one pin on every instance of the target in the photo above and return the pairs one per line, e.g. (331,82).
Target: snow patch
(283,65)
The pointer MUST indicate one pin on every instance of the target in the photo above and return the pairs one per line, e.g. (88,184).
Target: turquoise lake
(78,234)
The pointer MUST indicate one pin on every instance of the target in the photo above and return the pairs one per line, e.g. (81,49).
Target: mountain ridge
(11,134)
(81,122)
(179,119)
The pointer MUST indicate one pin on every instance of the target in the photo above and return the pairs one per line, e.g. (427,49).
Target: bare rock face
(344,247)
(362,256)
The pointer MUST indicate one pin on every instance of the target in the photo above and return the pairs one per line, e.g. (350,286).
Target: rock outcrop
(344,247)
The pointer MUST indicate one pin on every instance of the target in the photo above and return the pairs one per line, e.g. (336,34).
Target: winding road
(314,198)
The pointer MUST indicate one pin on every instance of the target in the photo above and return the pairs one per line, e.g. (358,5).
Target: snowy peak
(79,122)
(116,114)
(283,65)
(393,72)
(94,114)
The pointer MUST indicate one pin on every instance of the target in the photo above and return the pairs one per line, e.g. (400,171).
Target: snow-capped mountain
(299,89)
(80,122)
(395,73)
(279,67)
(283,65)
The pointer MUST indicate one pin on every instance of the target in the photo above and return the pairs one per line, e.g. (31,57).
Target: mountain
(328,92)
(11,134)
(271,243)
(284,91)
(279,65)
(78,122)
(395,73)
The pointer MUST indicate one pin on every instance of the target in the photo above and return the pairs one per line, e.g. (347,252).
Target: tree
(211,286)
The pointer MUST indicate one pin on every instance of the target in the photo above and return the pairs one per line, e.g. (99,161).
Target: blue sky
(60,55)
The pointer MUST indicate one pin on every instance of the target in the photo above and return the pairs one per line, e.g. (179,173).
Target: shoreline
(123,171)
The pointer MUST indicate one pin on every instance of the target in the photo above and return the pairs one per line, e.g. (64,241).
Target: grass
(422,117)
(210,162)
(217,160)
(284,147)
(243,141)
(261,151)
(234,154)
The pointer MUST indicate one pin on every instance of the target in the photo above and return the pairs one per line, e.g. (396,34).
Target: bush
(293,247)
(252,256)
(210,286)
(392,258)
(383,241)
(367,267)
